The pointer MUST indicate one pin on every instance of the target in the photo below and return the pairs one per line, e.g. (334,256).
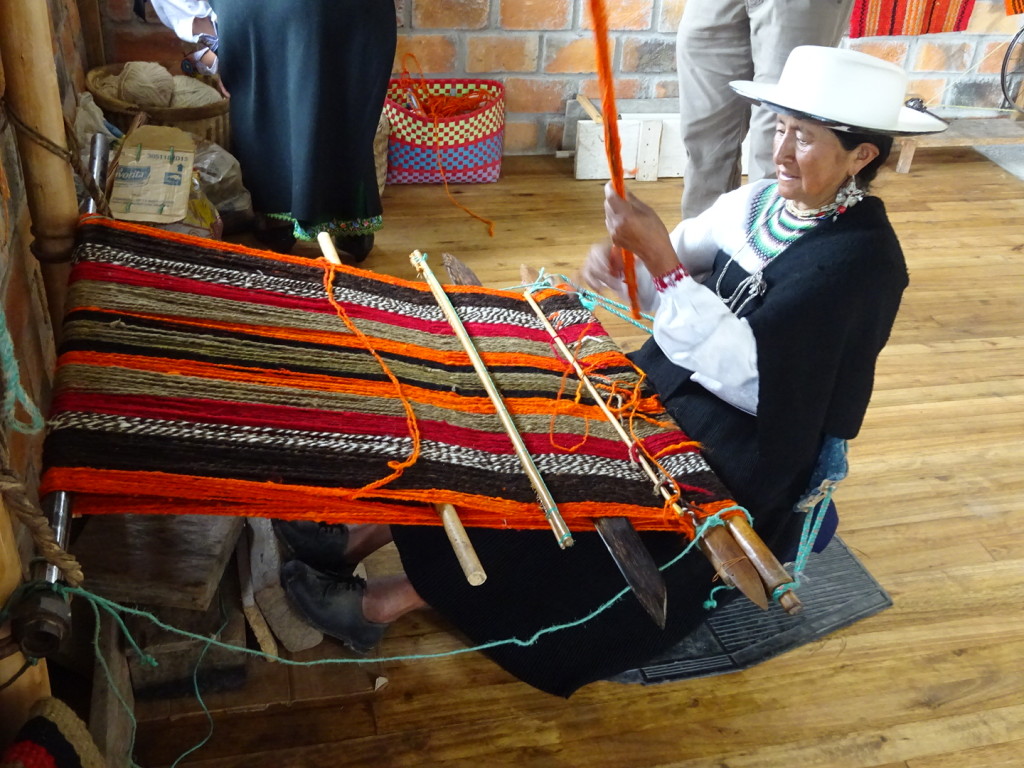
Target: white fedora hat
(846,90)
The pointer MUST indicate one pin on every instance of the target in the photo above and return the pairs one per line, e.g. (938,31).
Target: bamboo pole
(547,502)
(453,528)
(33,96)
(33,684)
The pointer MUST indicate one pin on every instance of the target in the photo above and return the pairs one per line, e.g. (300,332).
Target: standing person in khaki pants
(723,40)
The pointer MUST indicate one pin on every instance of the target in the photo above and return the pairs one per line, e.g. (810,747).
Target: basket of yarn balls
(193,104)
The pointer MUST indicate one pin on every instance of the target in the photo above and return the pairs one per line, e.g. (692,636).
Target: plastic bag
(221,177)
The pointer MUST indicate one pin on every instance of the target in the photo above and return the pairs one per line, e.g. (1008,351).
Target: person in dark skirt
(307,80)
(770,309)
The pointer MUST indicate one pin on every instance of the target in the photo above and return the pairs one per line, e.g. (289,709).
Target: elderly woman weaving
(770,310)
(771,307)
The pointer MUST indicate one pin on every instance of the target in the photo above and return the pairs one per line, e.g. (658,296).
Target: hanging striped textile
(203,377)
(1014,7)
(878,18)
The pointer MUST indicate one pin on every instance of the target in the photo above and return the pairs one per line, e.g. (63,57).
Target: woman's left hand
(635,227)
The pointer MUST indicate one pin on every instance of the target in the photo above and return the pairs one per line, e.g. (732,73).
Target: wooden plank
(648,153)
(172,561)
(180,658)
(257,622)
(591,154)
(574,112)
(112,705)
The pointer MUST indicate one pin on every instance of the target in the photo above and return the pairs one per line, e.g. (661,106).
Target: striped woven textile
(203,377)
(1014,7)
(879,18)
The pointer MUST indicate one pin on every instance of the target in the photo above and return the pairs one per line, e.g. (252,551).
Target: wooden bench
(966,132)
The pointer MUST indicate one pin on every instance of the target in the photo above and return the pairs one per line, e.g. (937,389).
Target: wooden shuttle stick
(767,565)
(457,536)
(729,560)
(547,502)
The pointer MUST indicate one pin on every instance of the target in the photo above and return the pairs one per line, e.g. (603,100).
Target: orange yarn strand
(613,145)
(410,416)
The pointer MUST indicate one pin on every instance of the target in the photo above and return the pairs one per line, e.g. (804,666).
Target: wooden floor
(934,508)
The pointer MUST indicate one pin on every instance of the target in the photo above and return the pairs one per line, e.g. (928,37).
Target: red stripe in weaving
(202,411)
(120,275)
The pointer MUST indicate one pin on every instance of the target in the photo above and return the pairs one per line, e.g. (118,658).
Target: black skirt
(532,585)
(307,80)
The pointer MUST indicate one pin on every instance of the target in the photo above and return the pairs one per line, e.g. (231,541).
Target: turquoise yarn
(14,393)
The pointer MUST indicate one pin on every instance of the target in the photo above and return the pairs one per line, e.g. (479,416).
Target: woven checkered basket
(468,146)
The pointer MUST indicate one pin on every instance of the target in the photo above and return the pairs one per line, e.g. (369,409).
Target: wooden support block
(179,657)
(265,560)
(257,622)
(648,151)
(172,561)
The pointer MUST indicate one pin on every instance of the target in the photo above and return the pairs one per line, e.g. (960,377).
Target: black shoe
(334,606)
(320,545)
(357,247)
(276,234)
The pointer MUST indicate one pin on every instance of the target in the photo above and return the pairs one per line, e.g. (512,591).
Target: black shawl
(830,303)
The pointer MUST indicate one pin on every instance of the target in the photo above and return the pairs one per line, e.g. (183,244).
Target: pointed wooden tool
(725,554)
(627,550)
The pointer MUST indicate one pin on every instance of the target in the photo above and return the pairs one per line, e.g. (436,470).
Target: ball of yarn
(189,92)
(106,85)
(145,83)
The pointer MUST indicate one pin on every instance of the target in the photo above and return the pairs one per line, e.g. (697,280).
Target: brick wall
(955,73)
(543,51)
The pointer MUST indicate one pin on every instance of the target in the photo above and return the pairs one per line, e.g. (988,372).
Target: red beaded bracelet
(665,281)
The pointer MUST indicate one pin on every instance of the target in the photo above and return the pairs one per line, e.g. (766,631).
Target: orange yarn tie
(612,144)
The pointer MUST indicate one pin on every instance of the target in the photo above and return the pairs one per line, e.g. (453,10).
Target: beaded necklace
(772,226)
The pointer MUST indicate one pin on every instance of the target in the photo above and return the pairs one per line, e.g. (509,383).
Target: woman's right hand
(636,227)
(603,267)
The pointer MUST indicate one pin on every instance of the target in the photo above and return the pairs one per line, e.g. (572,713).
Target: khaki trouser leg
(723,40)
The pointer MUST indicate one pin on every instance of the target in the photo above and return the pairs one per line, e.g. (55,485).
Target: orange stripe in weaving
(106,490)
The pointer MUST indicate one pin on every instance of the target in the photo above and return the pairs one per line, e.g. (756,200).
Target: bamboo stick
(547,502)
(457,536)
(33,95)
